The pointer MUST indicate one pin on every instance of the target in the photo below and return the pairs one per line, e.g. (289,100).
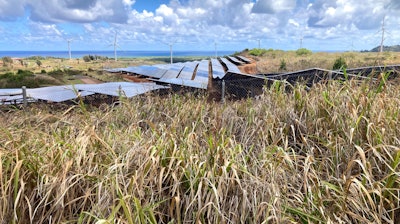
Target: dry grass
(330,155)
(270,63)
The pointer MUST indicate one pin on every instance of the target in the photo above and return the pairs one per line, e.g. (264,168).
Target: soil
(130,78)
(248,68)
(89,80)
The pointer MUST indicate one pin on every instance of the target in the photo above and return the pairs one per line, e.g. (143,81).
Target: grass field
(329,155)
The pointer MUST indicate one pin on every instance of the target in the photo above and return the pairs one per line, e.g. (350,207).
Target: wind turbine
(69,48)
(383,33)
(216,50)
(170,44)
(301,39)
(115,45)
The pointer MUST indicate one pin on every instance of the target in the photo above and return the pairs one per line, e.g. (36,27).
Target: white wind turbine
(170,44)
(115,45)
(216,49)
(69,48)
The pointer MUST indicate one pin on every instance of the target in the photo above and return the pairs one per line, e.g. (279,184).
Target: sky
(198,25)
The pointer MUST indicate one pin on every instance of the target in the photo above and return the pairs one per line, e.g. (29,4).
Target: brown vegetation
(329,155)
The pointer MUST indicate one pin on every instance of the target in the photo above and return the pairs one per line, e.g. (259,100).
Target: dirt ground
(89,80)
(249,68)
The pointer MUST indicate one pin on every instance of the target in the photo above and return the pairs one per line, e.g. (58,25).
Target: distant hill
(394,48)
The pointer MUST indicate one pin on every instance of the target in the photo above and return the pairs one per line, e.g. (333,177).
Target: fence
(14,97)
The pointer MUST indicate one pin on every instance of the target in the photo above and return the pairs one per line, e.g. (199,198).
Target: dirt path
(89,80)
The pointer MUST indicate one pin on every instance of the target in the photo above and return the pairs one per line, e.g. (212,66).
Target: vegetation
(258,52)
(328,155)
(88,58)
(24,78)
(7,61)
(283,65)
(303,51)
(340,63)
(394,48)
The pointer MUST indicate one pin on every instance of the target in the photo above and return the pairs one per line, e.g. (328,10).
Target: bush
(6,60)
(21,78)
(86,58)
(303,51)
(340,63)
(257,52)
(283,65)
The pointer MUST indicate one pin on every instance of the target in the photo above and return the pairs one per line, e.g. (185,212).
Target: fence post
(223,92)
(24,99)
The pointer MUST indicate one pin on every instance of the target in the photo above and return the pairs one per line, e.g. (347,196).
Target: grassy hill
(394,48)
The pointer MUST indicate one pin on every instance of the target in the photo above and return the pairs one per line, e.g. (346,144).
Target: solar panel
(234,60)
(185,82)
(10,91)
(231,67)
(187,72)
(201,74)
(175,67)
(56,93)
(146,70)
(128,89)
(218,70)
(170,74)
(244,59)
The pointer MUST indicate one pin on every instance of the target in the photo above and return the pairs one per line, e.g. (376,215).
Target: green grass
(329,155)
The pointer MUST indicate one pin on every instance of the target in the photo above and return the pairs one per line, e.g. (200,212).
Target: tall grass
(329,155)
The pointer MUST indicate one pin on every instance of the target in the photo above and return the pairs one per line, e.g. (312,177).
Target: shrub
(86,58)
(303,51)
(257,52)
(340,63)
(283,65)
(6,60)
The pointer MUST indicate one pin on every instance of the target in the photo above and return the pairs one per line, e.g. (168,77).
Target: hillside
(393,48)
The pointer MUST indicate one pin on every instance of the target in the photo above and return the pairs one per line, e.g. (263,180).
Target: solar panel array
(194,74)
(71,92)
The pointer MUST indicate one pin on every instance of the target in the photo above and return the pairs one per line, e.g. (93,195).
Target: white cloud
(10,10)
(364,15)
(273,6)
(56,11)
(203,21)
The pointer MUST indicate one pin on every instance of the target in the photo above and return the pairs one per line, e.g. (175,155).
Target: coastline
(110,54)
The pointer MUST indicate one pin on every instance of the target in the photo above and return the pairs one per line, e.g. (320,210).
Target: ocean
(110,54)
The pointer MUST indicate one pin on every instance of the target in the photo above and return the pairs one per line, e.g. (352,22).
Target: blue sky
(197,25)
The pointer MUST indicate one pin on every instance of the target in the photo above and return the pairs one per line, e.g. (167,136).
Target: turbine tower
(216,50)
(170,44)
(115,46)
(383,34)
(69,48)
(170,51)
